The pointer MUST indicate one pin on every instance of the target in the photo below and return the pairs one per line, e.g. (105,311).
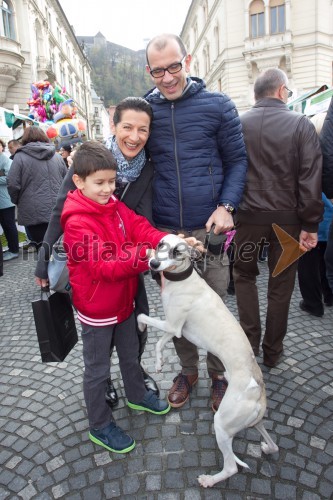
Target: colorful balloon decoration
(53,107)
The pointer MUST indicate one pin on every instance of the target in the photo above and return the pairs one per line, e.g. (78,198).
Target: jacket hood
(38,150)
(193,86)
(78,204)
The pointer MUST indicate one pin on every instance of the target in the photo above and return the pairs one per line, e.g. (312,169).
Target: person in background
(1,259)
(312,278)
(13,146)
(115,241)
(199,157)
(326,142)
(131,127)
(34,180)
(283,187)
(65,152)
(7,208)
(29,247)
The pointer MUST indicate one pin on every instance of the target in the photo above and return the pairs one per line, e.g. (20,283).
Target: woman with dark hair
(34,180)
(131,128)
(65,152)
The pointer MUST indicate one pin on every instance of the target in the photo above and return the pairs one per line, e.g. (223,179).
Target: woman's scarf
(127,170)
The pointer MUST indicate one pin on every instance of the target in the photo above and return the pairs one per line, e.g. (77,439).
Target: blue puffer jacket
(199,156)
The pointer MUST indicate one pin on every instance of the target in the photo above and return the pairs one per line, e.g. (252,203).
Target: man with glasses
(283,188)
(199,157)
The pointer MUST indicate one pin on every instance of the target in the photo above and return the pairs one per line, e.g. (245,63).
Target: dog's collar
(178,276)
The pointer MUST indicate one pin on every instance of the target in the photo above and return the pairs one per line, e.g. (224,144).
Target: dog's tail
(243,464)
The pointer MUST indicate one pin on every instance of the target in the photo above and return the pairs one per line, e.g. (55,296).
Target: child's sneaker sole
(144,408)
(101,443)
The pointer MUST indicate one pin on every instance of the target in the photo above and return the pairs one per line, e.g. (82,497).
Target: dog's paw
(268,449)
(158,365)
(206,481)
(141,323)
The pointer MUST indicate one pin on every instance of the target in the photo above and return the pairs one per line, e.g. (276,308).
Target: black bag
(55,326)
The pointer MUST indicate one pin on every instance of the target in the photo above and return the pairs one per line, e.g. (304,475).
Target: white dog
(194,310)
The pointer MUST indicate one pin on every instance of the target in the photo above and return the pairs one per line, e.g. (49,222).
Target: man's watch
(229,208)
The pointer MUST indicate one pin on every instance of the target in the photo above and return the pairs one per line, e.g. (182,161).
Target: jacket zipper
(212,180)
(177,167)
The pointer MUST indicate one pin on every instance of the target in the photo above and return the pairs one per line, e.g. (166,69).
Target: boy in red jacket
(106,246)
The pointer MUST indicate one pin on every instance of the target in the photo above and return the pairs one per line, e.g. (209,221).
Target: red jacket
(106,250)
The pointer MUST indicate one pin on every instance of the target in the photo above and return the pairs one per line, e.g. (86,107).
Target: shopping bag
(55,326)
(57,269)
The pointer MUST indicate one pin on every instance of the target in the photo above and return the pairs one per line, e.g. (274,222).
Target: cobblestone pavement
(45,452)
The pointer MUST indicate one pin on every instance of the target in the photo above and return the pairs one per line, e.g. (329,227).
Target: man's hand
(308,241)
(222,219)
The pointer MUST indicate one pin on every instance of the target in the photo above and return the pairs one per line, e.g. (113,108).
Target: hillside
(118,72)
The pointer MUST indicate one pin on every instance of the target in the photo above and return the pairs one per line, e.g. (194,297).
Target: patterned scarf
(127,170)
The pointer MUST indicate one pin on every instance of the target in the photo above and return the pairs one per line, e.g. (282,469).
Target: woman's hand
(193,242)
(41,282)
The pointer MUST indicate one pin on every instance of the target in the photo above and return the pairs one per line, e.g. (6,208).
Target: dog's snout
(154,264)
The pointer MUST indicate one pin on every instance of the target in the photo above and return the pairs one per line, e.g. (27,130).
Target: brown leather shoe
(180,391)
(219,386)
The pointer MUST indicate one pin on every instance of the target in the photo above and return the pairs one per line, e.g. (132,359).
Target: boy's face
(98,186)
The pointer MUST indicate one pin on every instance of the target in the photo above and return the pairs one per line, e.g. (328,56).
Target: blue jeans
(329,258)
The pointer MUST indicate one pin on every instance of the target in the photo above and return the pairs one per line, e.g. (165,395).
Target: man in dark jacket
(326,142)
(283,187)
(199,156)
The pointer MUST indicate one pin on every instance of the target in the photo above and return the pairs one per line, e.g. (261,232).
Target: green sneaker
(152,404)
(113,438)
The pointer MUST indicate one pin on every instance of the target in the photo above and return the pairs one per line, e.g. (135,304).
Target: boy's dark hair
(91,157)
(134,103)
(3,144)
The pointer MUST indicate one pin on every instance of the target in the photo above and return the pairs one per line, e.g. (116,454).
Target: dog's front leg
(159,350)
(163,325)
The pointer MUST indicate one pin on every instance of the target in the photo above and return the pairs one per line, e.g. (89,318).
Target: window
(195,32)
(6,22)
(257,19)
(217,40)
(62,74)
(205,10)
(207,59)
(278,18)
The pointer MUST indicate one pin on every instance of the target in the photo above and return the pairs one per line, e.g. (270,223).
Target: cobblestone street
(45,452)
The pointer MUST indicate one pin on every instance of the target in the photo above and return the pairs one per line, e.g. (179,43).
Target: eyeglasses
(290,92)
(172,69)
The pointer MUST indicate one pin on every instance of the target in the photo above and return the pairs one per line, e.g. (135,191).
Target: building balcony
(10,65)
(268,51)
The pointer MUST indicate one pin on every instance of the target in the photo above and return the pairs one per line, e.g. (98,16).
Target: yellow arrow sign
(291,250)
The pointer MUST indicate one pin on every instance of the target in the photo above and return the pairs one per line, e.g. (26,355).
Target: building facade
(232,41)
(37,43)
(101,118)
